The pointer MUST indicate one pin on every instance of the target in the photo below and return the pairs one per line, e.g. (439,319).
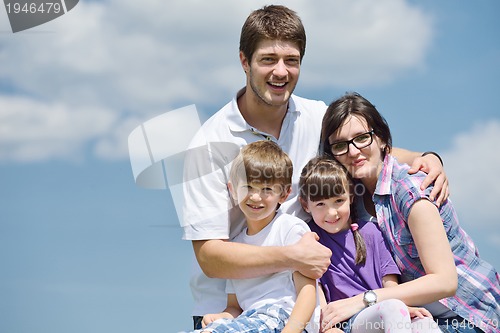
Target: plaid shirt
(478,295)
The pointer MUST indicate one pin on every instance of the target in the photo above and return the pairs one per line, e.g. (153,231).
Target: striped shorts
(267,318)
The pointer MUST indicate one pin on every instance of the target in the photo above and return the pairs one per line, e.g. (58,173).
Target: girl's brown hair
(323,178)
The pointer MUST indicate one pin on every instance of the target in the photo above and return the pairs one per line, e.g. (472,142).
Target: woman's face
(364,163)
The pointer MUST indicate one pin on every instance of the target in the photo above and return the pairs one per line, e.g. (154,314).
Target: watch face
(370,297)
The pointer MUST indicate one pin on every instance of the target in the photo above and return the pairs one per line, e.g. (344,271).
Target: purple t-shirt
(344,278)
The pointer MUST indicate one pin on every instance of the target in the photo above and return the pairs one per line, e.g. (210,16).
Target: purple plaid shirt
(478,295)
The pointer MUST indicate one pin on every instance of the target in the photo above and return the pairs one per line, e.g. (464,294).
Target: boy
(260,181)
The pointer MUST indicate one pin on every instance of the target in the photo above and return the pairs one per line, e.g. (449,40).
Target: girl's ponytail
(360,245)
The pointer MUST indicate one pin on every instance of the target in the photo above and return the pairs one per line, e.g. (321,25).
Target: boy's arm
(304,305)
(430,164)
(232,310)
(229,260)
(233,307)
(322,304)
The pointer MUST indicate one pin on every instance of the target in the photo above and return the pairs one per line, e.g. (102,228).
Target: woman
(439,264)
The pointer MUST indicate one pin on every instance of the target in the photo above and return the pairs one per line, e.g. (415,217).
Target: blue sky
(84,249)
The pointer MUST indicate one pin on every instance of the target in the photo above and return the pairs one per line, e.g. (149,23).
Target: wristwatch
(370,298)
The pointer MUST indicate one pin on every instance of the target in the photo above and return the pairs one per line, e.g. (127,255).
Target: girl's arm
(390,280)
(304,305)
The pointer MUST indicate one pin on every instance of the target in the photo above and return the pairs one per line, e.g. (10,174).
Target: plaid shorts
(268,318)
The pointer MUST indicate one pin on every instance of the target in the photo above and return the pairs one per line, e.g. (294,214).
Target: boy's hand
(211,317)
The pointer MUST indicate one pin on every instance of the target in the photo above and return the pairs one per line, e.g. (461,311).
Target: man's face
(273,71)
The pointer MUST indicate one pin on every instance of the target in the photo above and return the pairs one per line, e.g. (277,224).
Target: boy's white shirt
(277,288)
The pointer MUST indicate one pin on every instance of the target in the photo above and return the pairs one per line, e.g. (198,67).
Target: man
(272,45)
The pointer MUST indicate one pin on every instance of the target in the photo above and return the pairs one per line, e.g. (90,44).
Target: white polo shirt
(208,212)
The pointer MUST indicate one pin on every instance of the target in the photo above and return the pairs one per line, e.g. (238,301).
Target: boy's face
(259,201)
(273,71)
(332,214)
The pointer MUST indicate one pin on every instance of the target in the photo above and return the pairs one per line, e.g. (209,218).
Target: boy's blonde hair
(262,162)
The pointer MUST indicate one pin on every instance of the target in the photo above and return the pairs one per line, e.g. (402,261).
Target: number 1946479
(32,8)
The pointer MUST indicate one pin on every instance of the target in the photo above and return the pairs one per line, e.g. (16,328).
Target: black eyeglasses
(361,141)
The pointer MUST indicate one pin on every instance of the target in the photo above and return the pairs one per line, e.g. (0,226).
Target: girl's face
(364,163)
(332,214)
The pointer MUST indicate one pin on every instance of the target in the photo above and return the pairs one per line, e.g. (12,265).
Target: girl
(360,259)
(439,264)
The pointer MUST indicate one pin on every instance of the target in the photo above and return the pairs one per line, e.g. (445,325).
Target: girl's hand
(338,311)
(419,312)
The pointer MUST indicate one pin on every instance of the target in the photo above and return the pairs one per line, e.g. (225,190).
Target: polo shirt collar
(235,120)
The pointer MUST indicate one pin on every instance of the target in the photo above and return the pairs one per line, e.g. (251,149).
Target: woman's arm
(391,280)
(304,305)
(429,164)
(431,241)
(440,279)
(228,260)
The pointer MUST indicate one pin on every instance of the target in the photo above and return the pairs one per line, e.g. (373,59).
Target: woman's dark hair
(353,104)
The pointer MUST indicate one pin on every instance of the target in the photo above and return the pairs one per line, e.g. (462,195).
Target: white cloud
(472,165)
(365,42)
(132,60)
(33,130)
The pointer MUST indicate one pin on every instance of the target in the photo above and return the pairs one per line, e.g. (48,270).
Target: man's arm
(430,164)
(228,260)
